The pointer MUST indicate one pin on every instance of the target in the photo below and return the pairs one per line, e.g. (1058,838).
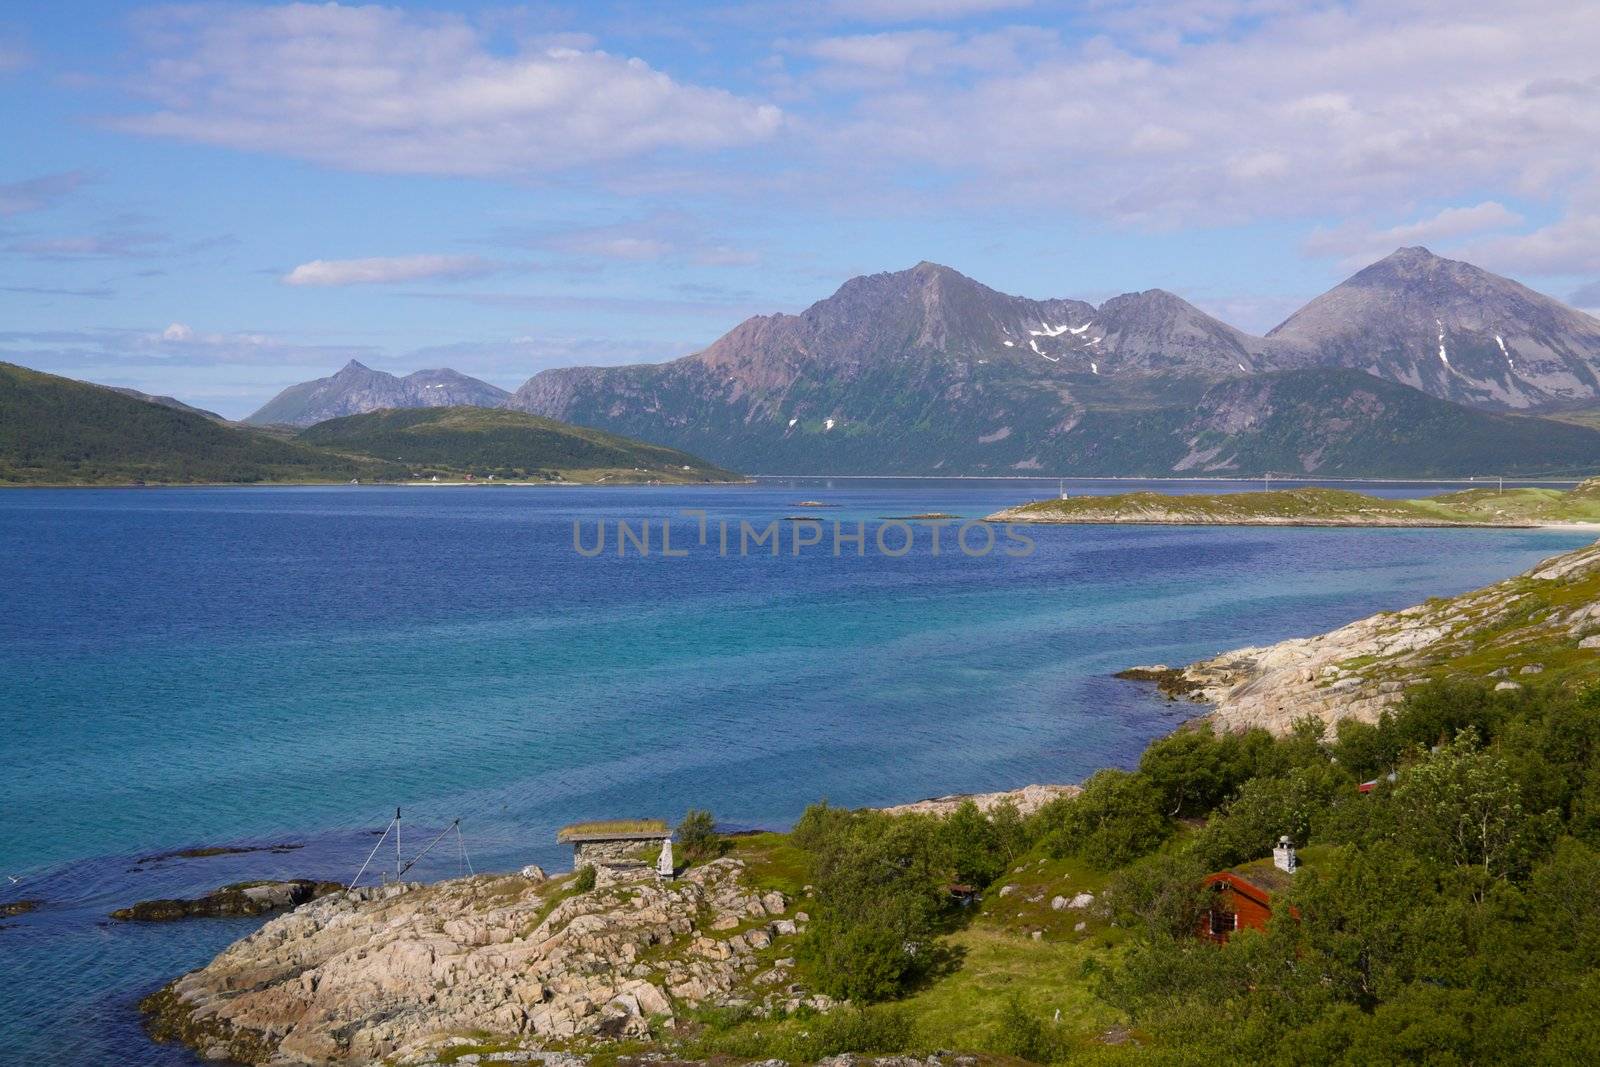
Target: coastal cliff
(402,972)
(1543,624)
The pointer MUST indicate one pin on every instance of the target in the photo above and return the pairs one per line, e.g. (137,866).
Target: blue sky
(217,200)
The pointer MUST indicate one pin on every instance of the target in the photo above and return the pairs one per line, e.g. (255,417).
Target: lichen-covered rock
(1360,669)
(394,971)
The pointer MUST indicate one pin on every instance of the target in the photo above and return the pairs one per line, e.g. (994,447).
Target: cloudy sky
(217,200)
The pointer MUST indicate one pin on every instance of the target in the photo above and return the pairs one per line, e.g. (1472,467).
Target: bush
(585,880)
(880,885)
(1460,806)
(1116,819)
(1021,1033)
(1161,895)
(860,1030)
(977,854)
(1194,769)
(1266,809)
(697,836)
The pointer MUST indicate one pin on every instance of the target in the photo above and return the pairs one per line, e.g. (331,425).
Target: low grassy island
(1312,506)
(491,443)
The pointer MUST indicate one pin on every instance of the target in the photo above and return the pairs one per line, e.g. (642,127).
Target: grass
(613,826)
(961,1010)
(771,861)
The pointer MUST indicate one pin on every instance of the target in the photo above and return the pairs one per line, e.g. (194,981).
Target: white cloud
(1569,246)
(177,332)
(920,10)
(613,246)
(1356,244)
(1241,110)
(676,236)
(867,61)
(379,89)
(378,270)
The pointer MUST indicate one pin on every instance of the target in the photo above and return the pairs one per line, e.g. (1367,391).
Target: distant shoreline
(377,485)
(1153,478)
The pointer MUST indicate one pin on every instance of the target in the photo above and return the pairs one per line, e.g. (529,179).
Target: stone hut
(615,842)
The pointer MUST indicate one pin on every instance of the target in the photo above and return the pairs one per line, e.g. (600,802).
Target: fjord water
(191,667)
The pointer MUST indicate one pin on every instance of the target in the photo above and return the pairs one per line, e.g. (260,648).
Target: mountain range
(925,371)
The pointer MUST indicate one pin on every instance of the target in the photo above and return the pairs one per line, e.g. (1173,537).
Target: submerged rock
(241,898)
(1171,682)
(207,851)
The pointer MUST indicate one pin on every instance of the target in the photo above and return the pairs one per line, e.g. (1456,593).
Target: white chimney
(1283,856)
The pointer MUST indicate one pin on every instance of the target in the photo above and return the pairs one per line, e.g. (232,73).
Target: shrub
(1161,895)
(697,836)
(977,853)
(1021,1033)
(879,886)
(1266,809)
(1116,819)
(585,880)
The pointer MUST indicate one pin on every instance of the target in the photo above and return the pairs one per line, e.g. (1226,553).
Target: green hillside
(58,431)
(996,418)
(506,445)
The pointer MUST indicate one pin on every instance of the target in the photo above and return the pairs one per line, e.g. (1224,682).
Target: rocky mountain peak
(1453,330)
(356,389)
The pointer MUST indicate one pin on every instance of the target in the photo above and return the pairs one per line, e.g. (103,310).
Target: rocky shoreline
(1027,800)
(396,972)
(1542,624)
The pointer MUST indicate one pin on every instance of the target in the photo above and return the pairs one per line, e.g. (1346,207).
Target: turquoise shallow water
(205,666)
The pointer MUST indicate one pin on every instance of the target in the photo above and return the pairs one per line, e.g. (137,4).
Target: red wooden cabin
(1243,895)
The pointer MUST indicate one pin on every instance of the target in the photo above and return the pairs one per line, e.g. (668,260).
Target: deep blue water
(201,666)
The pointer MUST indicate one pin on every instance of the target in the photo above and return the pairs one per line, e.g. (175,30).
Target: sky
(216,200)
